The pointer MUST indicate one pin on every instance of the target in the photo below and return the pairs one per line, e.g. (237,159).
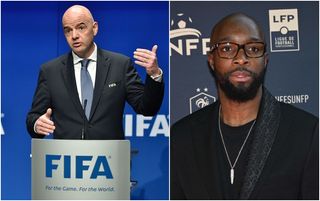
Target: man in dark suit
(81,95)
(246,145)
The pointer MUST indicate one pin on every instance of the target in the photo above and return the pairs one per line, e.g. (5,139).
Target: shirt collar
(92,57)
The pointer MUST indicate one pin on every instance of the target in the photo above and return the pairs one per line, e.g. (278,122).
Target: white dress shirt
(92,69)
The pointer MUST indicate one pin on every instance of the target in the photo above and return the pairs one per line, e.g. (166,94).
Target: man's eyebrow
(81,23)
(228,38)
(256,39)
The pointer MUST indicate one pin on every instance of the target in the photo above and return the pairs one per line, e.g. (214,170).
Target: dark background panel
(289,73)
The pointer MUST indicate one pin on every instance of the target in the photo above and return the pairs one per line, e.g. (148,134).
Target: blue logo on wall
(52,163)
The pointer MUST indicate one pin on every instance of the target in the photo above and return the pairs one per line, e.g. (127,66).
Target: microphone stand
(84,119)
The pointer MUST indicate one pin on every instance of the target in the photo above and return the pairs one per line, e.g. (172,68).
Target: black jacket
(116,82)
(283,161)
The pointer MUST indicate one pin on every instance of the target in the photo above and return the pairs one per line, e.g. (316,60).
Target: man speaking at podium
(81,95)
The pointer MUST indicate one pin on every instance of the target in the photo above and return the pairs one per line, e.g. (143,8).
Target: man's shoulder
(53,63)
(113,55)
(195,115)
(193,119)
(297,115)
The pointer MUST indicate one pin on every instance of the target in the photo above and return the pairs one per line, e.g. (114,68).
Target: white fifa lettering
(160,126)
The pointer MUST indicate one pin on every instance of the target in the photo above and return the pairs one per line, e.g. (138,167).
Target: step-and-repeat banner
(32,35)
(292,34)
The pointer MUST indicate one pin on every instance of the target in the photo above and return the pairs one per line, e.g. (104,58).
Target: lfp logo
(284,30)
(100,166)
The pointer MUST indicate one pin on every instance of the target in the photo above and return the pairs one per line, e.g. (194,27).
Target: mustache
(241,69)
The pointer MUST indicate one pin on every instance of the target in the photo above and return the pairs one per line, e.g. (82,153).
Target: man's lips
(240,76)
(76,44)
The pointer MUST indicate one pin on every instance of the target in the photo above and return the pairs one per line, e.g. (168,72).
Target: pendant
(232,175)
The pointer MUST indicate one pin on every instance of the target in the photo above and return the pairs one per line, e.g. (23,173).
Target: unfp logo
(61,164)
(183,38)
(200,100)
(284,30)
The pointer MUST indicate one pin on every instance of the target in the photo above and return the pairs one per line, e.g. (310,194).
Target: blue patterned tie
(86,87)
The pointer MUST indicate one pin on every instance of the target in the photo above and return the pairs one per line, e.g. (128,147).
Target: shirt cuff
(34,127)
(157,78)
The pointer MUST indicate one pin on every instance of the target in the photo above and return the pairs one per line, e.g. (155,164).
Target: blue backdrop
(31,35)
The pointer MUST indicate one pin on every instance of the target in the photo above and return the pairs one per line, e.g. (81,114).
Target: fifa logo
(100,166)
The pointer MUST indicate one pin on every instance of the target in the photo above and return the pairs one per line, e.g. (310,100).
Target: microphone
(85,101)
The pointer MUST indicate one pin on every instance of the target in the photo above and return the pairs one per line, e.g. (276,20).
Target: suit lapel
(265,132)
(103,66)
(70,82)
(203,141)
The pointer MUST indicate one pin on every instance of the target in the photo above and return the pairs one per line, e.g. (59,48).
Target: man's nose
(75,34)
(241,58)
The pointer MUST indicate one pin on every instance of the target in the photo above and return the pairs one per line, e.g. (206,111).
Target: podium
(80,169)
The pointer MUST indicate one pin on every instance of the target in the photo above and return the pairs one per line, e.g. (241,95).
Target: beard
(241,92)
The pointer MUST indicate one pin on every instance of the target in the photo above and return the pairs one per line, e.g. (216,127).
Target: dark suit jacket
(116,82)
(289,171)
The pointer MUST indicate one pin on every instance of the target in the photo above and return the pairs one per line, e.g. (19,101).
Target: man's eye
(81,28)
(254,49)
(226,48)
(67,31)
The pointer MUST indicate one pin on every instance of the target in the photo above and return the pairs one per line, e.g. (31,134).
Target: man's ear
(266,59)
(95,28)
(210,61)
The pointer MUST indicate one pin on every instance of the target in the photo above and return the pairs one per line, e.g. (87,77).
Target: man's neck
(86,54)
(236,113)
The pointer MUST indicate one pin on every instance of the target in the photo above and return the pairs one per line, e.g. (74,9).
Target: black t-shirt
(234,137)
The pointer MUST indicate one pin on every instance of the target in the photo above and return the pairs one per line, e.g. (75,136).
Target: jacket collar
(266,128)
(264,135)
(103,66)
